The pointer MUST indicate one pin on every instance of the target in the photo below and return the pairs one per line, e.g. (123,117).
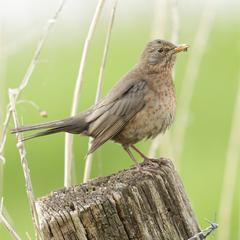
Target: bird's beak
(180,48)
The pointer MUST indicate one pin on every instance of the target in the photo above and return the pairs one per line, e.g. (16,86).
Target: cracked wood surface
(131,204)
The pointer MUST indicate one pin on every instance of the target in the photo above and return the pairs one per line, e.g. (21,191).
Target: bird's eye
(160,50)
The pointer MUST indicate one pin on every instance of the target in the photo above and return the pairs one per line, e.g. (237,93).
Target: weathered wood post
(131,204)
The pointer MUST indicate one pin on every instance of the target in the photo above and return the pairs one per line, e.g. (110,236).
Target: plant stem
(76,95)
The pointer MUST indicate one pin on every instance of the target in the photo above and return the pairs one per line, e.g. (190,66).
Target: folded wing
(115,115)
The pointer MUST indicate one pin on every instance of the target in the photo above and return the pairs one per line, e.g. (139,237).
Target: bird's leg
(138,166)
(140,153)
(126,148)
(145,158)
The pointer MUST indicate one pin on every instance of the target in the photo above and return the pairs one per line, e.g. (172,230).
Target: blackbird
(141,105)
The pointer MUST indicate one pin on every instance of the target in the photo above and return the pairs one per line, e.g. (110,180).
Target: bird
(141,105)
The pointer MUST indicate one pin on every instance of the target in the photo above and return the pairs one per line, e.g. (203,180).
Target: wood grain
(131,204)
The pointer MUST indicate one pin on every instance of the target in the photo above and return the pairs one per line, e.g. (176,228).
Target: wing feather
(121,87)
(110,122)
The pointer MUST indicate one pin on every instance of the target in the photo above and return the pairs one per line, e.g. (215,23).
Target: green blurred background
(51,88)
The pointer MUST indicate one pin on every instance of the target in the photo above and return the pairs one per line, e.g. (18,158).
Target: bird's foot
(158,161)
(150,169)
(145,170)
(147,160)
(153,164)
(152,161)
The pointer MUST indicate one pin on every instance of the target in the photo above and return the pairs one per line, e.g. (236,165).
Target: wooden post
(131,204)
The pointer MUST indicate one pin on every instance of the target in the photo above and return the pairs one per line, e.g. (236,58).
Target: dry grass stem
(154,147)
(29,72)
(230,173)
(77,90)
(175,23)
(163,145)
(2,86)
(160,19)
(28,236)
(22,152)
(4,133)
(14,98)
(185,97)
(88,162)
(7,225)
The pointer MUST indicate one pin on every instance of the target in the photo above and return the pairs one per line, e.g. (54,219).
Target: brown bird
(141,105)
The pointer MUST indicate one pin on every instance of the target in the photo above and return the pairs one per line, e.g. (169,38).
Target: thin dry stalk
(153,149)
(8,226)
(13,93)
(230,173)
(4,133)
(160,19)
(2,86)
(33,104)
(88,163)
(28,236)
(163,142)
(77,90)
(29,72)
(189,81)
(175,21)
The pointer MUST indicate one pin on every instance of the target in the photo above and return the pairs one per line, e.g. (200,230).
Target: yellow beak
(181,47)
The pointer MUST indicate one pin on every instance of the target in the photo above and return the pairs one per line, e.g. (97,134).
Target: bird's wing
(121,87)
(116,114)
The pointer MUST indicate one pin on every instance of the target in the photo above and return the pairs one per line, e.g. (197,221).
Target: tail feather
(75,125)
(43,133)
(51,124)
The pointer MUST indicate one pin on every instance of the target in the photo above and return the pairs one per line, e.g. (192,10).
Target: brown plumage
(141,105)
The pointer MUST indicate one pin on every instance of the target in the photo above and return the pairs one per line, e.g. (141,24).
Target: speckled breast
(154,118)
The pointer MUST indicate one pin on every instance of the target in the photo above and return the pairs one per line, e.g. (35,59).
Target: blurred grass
(51,87)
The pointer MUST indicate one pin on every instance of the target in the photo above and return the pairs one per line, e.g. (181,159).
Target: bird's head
(160,54)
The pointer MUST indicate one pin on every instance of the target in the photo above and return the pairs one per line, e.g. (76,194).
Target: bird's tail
(75,125)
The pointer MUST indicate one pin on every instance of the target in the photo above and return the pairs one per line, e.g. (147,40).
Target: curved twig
(76,95)
(29,72)
(88,162)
